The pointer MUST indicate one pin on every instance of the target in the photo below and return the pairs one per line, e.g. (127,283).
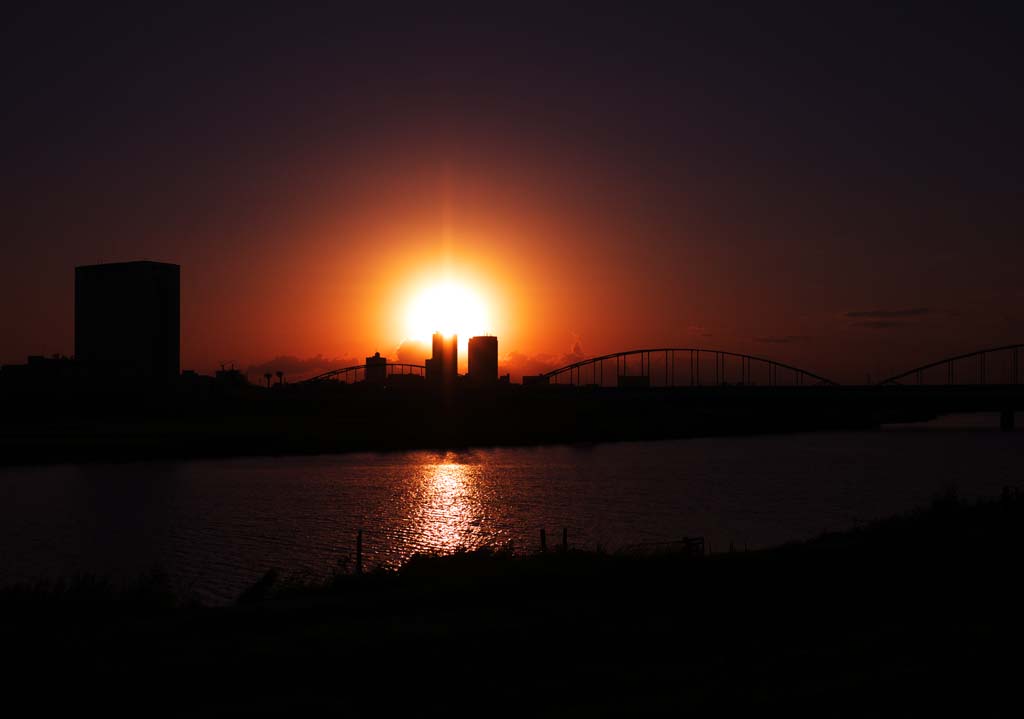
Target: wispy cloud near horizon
(781,339)
(880,324)
(882,319)
(886,314)
(298,368)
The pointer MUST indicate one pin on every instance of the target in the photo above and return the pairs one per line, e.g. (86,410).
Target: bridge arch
(683,366)
(994,365)
(352,374)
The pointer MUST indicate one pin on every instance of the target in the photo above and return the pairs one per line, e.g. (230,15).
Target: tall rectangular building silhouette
(127,320)
(483,360)
(443,367)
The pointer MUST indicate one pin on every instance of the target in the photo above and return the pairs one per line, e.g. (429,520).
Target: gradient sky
(842,191)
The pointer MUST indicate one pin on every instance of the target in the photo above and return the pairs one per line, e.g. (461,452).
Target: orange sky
(738,181)
(563,257)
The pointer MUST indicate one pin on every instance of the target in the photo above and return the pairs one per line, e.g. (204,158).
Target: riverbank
(916,614)
(355,419)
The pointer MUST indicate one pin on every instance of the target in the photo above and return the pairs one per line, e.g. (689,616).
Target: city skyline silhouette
(572,360)
(751,179)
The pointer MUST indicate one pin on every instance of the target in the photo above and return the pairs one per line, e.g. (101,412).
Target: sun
(449,307)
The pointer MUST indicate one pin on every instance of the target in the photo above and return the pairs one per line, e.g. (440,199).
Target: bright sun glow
(448,307)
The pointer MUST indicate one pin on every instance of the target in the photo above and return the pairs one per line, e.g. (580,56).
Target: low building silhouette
(231,377)
(631,381)
(376,368)
(483,360)
(127,321)
(40,373)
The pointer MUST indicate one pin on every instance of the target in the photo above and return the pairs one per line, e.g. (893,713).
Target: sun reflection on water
(447,511)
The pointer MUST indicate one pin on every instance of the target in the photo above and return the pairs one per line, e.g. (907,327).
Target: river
(216,525)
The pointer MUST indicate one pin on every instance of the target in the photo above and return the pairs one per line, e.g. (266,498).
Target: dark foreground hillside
(918,614)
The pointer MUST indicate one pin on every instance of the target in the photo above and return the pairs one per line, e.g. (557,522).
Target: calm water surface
(217,525)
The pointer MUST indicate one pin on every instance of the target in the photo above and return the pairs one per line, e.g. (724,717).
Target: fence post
(359,552)
(1007,420)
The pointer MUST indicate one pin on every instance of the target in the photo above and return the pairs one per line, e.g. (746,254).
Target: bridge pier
(1007,420)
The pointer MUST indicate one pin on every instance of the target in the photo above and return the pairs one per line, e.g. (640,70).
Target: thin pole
(359,552)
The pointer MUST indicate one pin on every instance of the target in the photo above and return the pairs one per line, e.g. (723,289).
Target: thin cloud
(879,324)
(782,339)
(576,353)
(886,314)
(297,368)
(413,351)
(518,364)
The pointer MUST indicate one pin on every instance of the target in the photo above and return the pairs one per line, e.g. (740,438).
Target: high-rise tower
(443,367)
(127,320)
(483,360)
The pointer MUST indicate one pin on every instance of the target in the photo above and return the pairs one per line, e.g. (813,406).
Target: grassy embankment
(916,614)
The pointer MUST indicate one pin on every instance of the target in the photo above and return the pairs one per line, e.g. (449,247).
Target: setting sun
(448,307)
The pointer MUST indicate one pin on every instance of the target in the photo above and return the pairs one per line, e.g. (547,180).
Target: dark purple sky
(841,189)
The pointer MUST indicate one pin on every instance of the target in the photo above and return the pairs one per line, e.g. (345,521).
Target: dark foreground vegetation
(916,615)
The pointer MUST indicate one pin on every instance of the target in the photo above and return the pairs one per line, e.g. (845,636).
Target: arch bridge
(356,373)
(682,367)
(992,366)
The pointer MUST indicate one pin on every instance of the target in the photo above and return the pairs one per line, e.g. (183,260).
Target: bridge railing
(681,367)
(992,366)
(357,373)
